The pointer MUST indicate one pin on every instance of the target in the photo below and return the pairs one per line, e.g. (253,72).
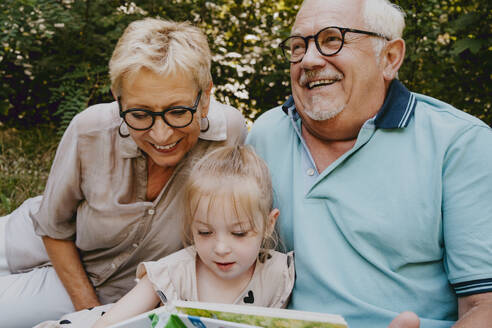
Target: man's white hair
(384,17)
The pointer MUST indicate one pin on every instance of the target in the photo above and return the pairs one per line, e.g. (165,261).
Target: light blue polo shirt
(402,221)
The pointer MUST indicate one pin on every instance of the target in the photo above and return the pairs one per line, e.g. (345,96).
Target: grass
(25,161)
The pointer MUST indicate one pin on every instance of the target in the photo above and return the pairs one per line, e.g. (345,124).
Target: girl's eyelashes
(239,233)
(244,233)
(234,233)
(237,229)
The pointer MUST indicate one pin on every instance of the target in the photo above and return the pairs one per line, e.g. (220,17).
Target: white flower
(443,39)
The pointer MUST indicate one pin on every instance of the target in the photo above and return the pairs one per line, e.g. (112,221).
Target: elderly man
(384,194)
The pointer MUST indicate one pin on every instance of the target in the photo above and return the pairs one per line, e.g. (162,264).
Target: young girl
(229,231)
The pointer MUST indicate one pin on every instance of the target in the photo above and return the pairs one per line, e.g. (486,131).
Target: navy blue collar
(397,109)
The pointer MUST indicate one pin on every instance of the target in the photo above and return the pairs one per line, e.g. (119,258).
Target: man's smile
(320,83)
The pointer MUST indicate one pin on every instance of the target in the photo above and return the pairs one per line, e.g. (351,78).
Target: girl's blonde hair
(232,173)
(165,48)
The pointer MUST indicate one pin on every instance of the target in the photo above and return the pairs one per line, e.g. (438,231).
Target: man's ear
(392,58)
(205,100)
(272,218)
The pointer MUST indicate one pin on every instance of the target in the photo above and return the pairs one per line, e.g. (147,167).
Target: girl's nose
(221,247)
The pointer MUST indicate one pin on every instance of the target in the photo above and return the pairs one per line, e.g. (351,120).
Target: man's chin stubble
(323,114)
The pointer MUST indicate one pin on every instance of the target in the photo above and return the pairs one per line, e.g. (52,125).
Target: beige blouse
(174,278)
(95,195)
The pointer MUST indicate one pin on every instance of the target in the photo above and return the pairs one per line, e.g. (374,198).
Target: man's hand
(475,310)
(405,320)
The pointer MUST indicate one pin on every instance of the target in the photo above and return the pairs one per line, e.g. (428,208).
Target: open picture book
(181,314)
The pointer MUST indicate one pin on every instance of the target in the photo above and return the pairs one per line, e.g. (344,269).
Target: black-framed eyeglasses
(329,41)
(175,116)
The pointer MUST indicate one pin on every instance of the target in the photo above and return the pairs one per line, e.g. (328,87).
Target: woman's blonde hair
(232,173)
(165,48)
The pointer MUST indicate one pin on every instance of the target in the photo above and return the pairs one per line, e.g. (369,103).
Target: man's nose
(312,58)
(160,131)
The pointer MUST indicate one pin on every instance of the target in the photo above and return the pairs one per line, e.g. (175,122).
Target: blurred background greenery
(54,56)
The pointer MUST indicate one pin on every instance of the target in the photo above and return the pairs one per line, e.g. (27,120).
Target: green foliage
(54,56)
(72,98)
(25,160)
(249,71)
(54,53)
(449,54)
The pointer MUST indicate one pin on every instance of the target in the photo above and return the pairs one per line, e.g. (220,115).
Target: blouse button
(151,211)
(310,172)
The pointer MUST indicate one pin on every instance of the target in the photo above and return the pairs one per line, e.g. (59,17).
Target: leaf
(464,22)
(4,107)
(473,44)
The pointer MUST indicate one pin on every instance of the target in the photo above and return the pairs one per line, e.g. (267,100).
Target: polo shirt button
(151,211)
(310,172)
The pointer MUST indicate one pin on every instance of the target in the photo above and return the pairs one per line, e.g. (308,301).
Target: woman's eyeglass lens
(143,119)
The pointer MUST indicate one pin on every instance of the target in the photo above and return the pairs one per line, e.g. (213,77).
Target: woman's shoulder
(225,123)
(92,131)
(96,118)
(232,114)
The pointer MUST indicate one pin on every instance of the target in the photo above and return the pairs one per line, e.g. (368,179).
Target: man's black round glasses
(329,41)
(175,116)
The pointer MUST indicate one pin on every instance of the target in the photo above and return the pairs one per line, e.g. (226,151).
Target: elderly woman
(112,199)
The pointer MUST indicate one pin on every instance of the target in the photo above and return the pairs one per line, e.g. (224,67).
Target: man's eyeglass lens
(328,41)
